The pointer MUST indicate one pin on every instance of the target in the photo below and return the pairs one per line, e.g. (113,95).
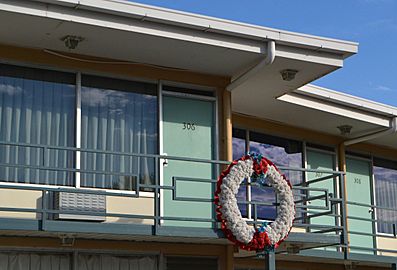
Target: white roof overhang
(320,109)
(138,33)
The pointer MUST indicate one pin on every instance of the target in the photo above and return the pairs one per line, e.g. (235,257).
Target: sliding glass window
(39,118)
(120,117)
(385,174)
(283,152)
(37,107)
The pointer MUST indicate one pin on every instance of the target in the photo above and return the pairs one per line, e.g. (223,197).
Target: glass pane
(118,116)
(386,196)
(238,152)
(282,152)
(37,107)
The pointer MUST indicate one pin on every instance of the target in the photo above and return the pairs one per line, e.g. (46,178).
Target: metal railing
(313,202)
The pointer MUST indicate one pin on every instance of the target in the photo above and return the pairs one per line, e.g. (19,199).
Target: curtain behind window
(29,261)
(118,116)
(36,107)
(385,173)
(112,262)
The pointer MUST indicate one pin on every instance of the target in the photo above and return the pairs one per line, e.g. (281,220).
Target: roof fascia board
(317,57)
(210,24)
(346,100)
(68,14)
(336,109)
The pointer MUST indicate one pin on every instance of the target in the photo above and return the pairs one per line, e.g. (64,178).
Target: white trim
(78,130)
(332,108)
(161,146)
(346,99)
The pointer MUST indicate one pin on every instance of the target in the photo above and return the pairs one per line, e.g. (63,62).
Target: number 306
(189,126)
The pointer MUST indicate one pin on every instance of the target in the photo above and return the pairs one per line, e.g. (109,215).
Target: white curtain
(112,262)
(118,121)
(28,261)
(36,107)
(386,196)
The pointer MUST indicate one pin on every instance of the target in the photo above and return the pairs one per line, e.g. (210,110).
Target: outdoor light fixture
(67,240)
(288,74)
(345,129)
(71,42)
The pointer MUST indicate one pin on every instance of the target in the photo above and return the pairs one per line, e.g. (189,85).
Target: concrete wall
(387,243)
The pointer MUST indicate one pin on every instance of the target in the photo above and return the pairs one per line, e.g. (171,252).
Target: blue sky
(372,73)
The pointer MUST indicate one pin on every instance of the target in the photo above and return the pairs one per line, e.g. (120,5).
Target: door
(188,131)
(321,160)
(317,160)
(358,187)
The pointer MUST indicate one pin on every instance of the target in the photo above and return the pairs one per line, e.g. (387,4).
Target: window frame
(305,146)
(374,202)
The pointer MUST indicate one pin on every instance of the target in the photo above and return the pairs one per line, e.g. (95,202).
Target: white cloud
(383,88)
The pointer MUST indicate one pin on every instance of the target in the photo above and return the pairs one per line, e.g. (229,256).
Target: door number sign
(189,126)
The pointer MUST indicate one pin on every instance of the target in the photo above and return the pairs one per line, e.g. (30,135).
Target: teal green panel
(321,161)
(358,187)
(188,130)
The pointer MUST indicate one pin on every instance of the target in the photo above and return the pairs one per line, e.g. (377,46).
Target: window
(239,149)
(38,108)
(282,152)
(118,116)
(385,174)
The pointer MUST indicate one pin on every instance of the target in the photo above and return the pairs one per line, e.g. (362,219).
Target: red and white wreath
(236,229)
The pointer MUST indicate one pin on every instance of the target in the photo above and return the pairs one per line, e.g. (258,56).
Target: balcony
(177,209)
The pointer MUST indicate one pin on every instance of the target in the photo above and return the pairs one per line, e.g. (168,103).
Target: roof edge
(347,100)
(209,24)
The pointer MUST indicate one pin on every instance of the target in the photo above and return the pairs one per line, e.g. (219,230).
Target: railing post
(394,266)
(270,260)
(344,211)
(43,210)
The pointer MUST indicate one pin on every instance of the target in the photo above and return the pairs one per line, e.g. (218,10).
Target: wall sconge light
(345,129)
(67,240)
(71,42)
(288,74)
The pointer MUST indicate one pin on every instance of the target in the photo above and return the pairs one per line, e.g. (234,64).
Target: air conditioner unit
(84,204)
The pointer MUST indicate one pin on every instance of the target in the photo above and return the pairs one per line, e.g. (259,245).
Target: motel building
(117,118)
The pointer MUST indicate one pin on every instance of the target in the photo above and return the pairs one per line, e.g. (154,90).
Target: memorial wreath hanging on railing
(267,236)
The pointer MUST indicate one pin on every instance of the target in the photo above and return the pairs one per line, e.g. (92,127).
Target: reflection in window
(385,173)
(36,107)
(118,116)
(238,151)
(282,152)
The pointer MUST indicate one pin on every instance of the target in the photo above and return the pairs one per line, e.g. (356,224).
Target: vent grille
(84,204)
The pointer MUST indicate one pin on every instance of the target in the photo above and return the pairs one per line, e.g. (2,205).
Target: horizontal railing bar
(85,150)
(316,180)
(371,206)
(65,170)
(310,170)
(372,234)
(374,249)
(371,220)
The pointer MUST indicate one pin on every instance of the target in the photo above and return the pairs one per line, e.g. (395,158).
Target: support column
(270,261)
(343,187)
(229,265)
(227,118)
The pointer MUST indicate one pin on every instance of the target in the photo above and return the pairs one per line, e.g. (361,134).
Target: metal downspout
(268,60)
